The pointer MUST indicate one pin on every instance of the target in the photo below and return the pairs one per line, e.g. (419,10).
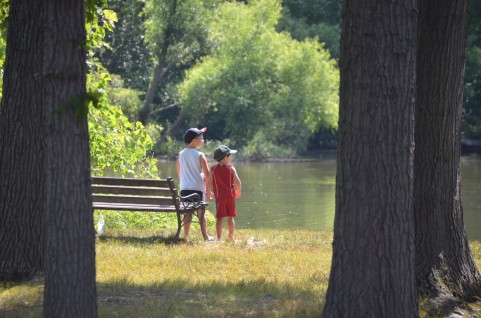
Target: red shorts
(225,208)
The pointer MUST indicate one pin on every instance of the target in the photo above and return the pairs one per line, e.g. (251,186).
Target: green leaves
(118,146)
(81,103)
(261,82)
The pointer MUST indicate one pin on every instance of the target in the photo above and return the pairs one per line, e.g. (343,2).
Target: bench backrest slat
(133,199)
(123,193)
(108,189)
(159,183)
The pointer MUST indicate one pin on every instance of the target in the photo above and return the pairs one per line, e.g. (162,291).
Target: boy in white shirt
(193,171)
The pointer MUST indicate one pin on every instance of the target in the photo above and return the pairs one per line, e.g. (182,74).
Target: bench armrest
(191,201)
(194,197)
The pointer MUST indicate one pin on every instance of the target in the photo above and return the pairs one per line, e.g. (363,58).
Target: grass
(265,273)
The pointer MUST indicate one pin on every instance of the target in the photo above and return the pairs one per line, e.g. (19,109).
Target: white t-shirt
(191,175)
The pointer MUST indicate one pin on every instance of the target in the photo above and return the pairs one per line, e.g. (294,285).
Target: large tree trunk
(372,273)
(444,264)
(70,289)
(21,151)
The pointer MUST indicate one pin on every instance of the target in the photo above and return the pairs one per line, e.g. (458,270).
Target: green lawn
(265,273)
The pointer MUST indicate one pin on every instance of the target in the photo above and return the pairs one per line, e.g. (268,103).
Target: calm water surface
(301,195)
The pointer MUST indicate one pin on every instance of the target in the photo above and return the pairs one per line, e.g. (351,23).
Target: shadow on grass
(149,236)
(154,239)
(179,298)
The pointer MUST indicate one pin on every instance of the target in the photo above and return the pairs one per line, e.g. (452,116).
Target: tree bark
(372,272)
(444,264)
(70,289)
(21,149)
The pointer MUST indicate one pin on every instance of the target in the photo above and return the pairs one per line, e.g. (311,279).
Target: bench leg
(179,226)
(202,223)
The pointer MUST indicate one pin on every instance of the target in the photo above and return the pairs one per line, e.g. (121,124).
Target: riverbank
(264,273)
(468,147)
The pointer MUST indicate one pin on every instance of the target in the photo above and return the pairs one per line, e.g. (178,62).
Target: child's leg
(204,221)
(218,227)
(231,224)
(187,220)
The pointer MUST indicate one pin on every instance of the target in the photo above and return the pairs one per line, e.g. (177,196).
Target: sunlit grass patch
(140,273)
(264,273)
(21,300)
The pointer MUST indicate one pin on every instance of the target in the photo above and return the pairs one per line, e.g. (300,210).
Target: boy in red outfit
(226,186)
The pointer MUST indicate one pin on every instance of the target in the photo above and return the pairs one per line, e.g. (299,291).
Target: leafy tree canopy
(117,146)
(313,19)
(260,81)
(183,24)
(130,57)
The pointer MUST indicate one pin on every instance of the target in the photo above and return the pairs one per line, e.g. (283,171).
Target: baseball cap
(222,151)
(191,133)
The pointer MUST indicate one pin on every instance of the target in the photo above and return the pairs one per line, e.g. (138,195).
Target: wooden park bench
(147,195)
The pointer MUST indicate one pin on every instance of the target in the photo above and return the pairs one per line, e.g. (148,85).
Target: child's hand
(237,193)
(209,195)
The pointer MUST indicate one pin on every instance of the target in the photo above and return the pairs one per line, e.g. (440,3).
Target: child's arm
(210,184)
(205,170)
(177,167)
(237,184)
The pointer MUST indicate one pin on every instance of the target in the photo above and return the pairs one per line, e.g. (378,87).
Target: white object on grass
(101,226)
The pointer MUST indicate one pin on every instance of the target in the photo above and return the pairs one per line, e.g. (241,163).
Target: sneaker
(209,238)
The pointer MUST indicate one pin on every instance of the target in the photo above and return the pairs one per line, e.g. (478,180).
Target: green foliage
(144,220)
(3,49)
(4,6)
(119,145)
(136,220)
(472,94)
(260,149)
(471,124)
(131,57)
(299,29)
(99,21)
(315,11)
(262,81)
(128,99)
(163,144)
(175,32)
(180,25)
(313,19)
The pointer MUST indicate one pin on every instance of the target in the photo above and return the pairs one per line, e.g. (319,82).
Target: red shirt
(223,181)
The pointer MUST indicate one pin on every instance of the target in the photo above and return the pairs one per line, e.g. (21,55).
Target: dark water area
(301,194)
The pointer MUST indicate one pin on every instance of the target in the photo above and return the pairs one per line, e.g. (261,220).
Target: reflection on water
(301,195)
(287,195)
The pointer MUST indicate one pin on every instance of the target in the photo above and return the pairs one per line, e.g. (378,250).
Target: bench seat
(147,195)
(133,207)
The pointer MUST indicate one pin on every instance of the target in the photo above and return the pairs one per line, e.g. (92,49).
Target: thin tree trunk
(444,264)
(162,66)
(372,272)
(21,152)
(70,289)
(145,111)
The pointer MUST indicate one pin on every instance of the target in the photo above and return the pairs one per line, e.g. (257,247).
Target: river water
(301,195)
